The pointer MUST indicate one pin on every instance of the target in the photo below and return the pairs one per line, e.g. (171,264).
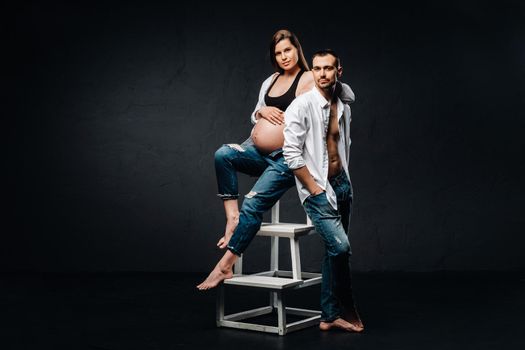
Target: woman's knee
(224,154)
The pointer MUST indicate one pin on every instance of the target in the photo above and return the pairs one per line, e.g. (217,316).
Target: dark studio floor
(165,311)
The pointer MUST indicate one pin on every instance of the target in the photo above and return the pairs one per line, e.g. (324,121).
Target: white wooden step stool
(276,281)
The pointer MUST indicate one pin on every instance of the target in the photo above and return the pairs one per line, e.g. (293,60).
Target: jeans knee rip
(236,146)
(251,194)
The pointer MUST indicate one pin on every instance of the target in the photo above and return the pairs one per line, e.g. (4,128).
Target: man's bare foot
(352,316)
(341,324)
(231,225)
(215,277)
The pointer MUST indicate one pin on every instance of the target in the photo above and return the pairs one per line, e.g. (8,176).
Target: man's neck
(326,93)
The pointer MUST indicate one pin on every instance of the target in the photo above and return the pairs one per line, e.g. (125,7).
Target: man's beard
(327,86)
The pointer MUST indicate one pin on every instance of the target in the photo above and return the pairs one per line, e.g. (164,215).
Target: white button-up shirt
(306,121)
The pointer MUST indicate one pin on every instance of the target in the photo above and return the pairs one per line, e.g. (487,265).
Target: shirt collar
(323,102)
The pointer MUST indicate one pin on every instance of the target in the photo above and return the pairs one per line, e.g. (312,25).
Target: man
(317,149)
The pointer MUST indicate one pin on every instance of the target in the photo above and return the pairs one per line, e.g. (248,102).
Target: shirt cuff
(295,163)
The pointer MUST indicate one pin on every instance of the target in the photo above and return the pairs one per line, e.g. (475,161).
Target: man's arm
(294,137)
(306,178)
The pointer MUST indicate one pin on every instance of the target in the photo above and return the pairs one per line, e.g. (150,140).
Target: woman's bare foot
(231,224)
(341,324)
(223,270)
(215,277)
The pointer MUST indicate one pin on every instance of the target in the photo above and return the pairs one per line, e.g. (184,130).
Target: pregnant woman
(263,147)
(261,154)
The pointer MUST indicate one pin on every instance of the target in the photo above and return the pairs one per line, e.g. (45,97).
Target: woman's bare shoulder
(306,83)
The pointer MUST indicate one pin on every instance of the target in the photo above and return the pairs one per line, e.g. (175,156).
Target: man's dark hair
(325,52)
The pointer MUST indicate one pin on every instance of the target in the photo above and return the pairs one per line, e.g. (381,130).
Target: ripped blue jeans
(274,181)
(332,226)
(231,158)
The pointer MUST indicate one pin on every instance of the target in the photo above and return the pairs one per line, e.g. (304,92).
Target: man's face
(325,71)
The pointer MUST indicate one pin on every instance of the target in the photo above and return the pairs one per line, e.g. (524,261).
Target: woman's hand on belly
(272,114)
(267,137)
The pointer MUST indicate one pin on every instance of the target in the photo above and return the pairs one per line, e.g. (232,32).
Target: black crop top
(282,102)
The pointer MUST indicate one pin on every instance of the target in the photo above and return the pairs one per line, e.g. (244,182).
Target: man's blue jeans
(332,225)
(275,178)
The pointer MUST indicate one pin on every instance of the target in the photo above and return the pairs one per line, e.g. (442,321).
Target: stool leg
(237,268)
(274,255)
(219,317)
(296,258)
(281,313)
(273,300)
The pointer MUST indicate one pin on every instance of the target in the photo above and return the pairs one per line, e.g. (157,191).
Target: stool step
(284,229)
(263,282)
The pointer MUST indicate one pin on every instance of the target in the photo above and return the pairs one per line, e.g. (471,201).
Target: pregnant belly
(267,137)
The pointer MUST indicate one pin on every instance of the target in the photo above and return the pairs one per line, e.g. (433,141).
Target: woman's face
(286,54)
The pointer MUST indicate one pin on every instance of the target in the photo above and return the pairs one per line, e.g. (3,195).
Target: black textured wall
(118,109)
